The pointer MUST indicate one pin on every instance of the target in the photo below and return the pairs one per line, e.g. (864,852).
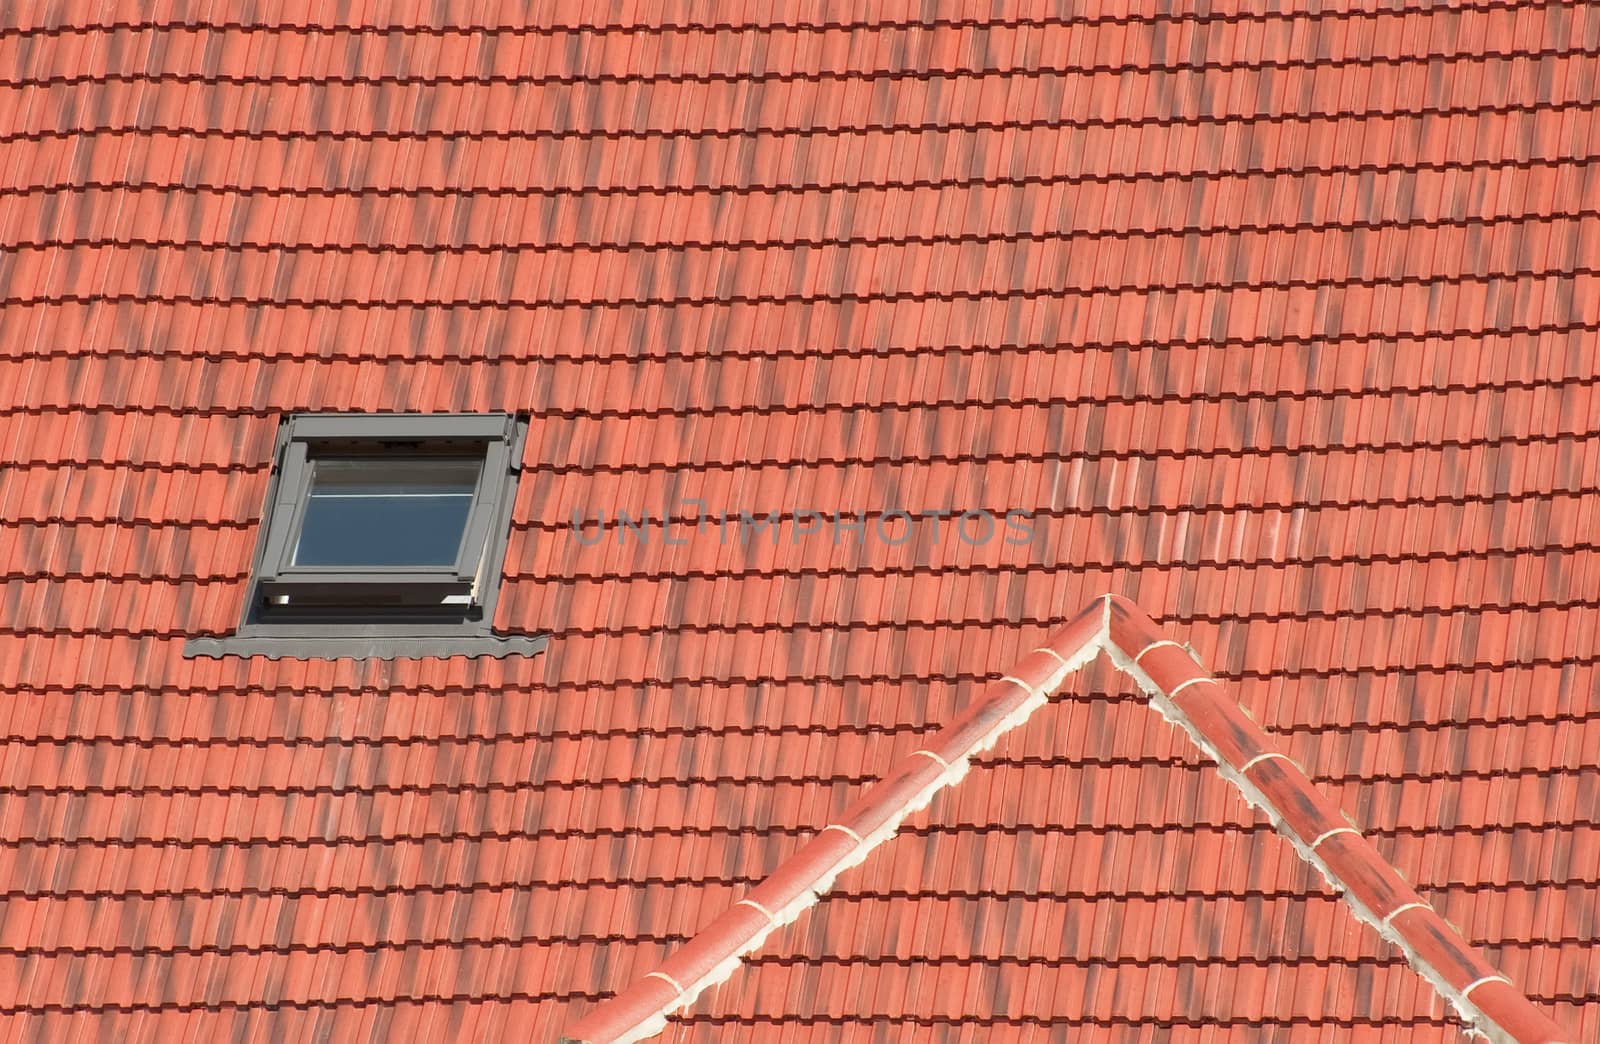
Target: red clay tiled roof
(1184,694)
(1283,326)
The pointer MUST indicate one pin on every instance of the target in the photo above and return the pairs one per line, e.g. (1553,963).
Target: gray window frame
(376,630)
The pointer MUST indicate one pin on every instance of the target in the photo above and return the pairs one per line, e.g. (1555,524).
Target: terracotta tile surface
(1282,325)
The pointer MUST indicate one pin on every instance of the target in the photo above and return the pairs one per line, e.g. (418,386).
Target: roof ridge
(1187,695)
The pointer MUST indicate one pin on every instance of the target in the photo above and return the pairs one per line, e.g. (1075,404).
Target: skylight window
(382,530)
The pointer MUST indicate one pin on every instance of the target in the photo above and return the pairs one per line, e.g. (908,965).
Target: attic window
(384,535)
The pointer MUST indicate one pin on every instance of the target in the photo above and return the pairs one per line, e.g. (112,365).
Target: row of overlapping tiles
(1463,257)
(608,444)
(146,623)
(102,812)
(1071,995)
(285,756)
(1420,373)
(200,700)
(1276,92)
(946,42)
(859,636)
(288,900)
(1548,308)
(1070,934)
(1459,437)
(1501,883)
(1295,649)
(1400,545)
(438,16)
(713,592)
(1047,263)
(441,972)
(936,154)
(1230,207)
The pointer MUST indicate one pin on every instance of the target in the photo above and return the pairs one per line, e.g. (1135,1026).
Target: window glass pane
(386,512)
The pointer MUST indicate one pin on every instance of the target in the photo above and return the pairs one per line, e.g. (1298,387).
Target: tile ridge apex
(640,1011)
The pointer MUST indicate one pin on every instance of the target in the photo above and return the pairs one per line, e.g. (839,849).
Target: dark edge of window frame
(291,499)
(398,640)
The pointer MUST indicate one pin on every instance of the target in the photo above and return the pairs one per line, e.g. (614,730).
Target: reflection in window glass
(386,512)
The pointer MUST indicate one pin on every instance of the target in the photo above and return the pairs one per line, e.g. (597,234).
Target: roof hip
(1184,693)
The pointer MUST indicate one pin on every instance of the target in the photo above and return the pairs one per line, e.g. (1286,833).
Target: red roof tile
(1281,324)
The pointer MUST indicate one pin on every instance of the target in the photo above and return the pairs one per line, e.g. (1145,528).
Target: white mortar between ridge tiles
(1397,911)
(1332,880)
(1466,991)
(1169,710)
(1077,660)
(1158,643)
(1248,790)
(952,775)
(1118,657)
(1464,1009)
(722,971)
(1036,698)
(719,973)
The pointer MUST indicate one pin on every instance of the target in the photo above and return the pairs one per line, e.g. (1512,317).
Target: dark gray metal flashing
(327,647)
